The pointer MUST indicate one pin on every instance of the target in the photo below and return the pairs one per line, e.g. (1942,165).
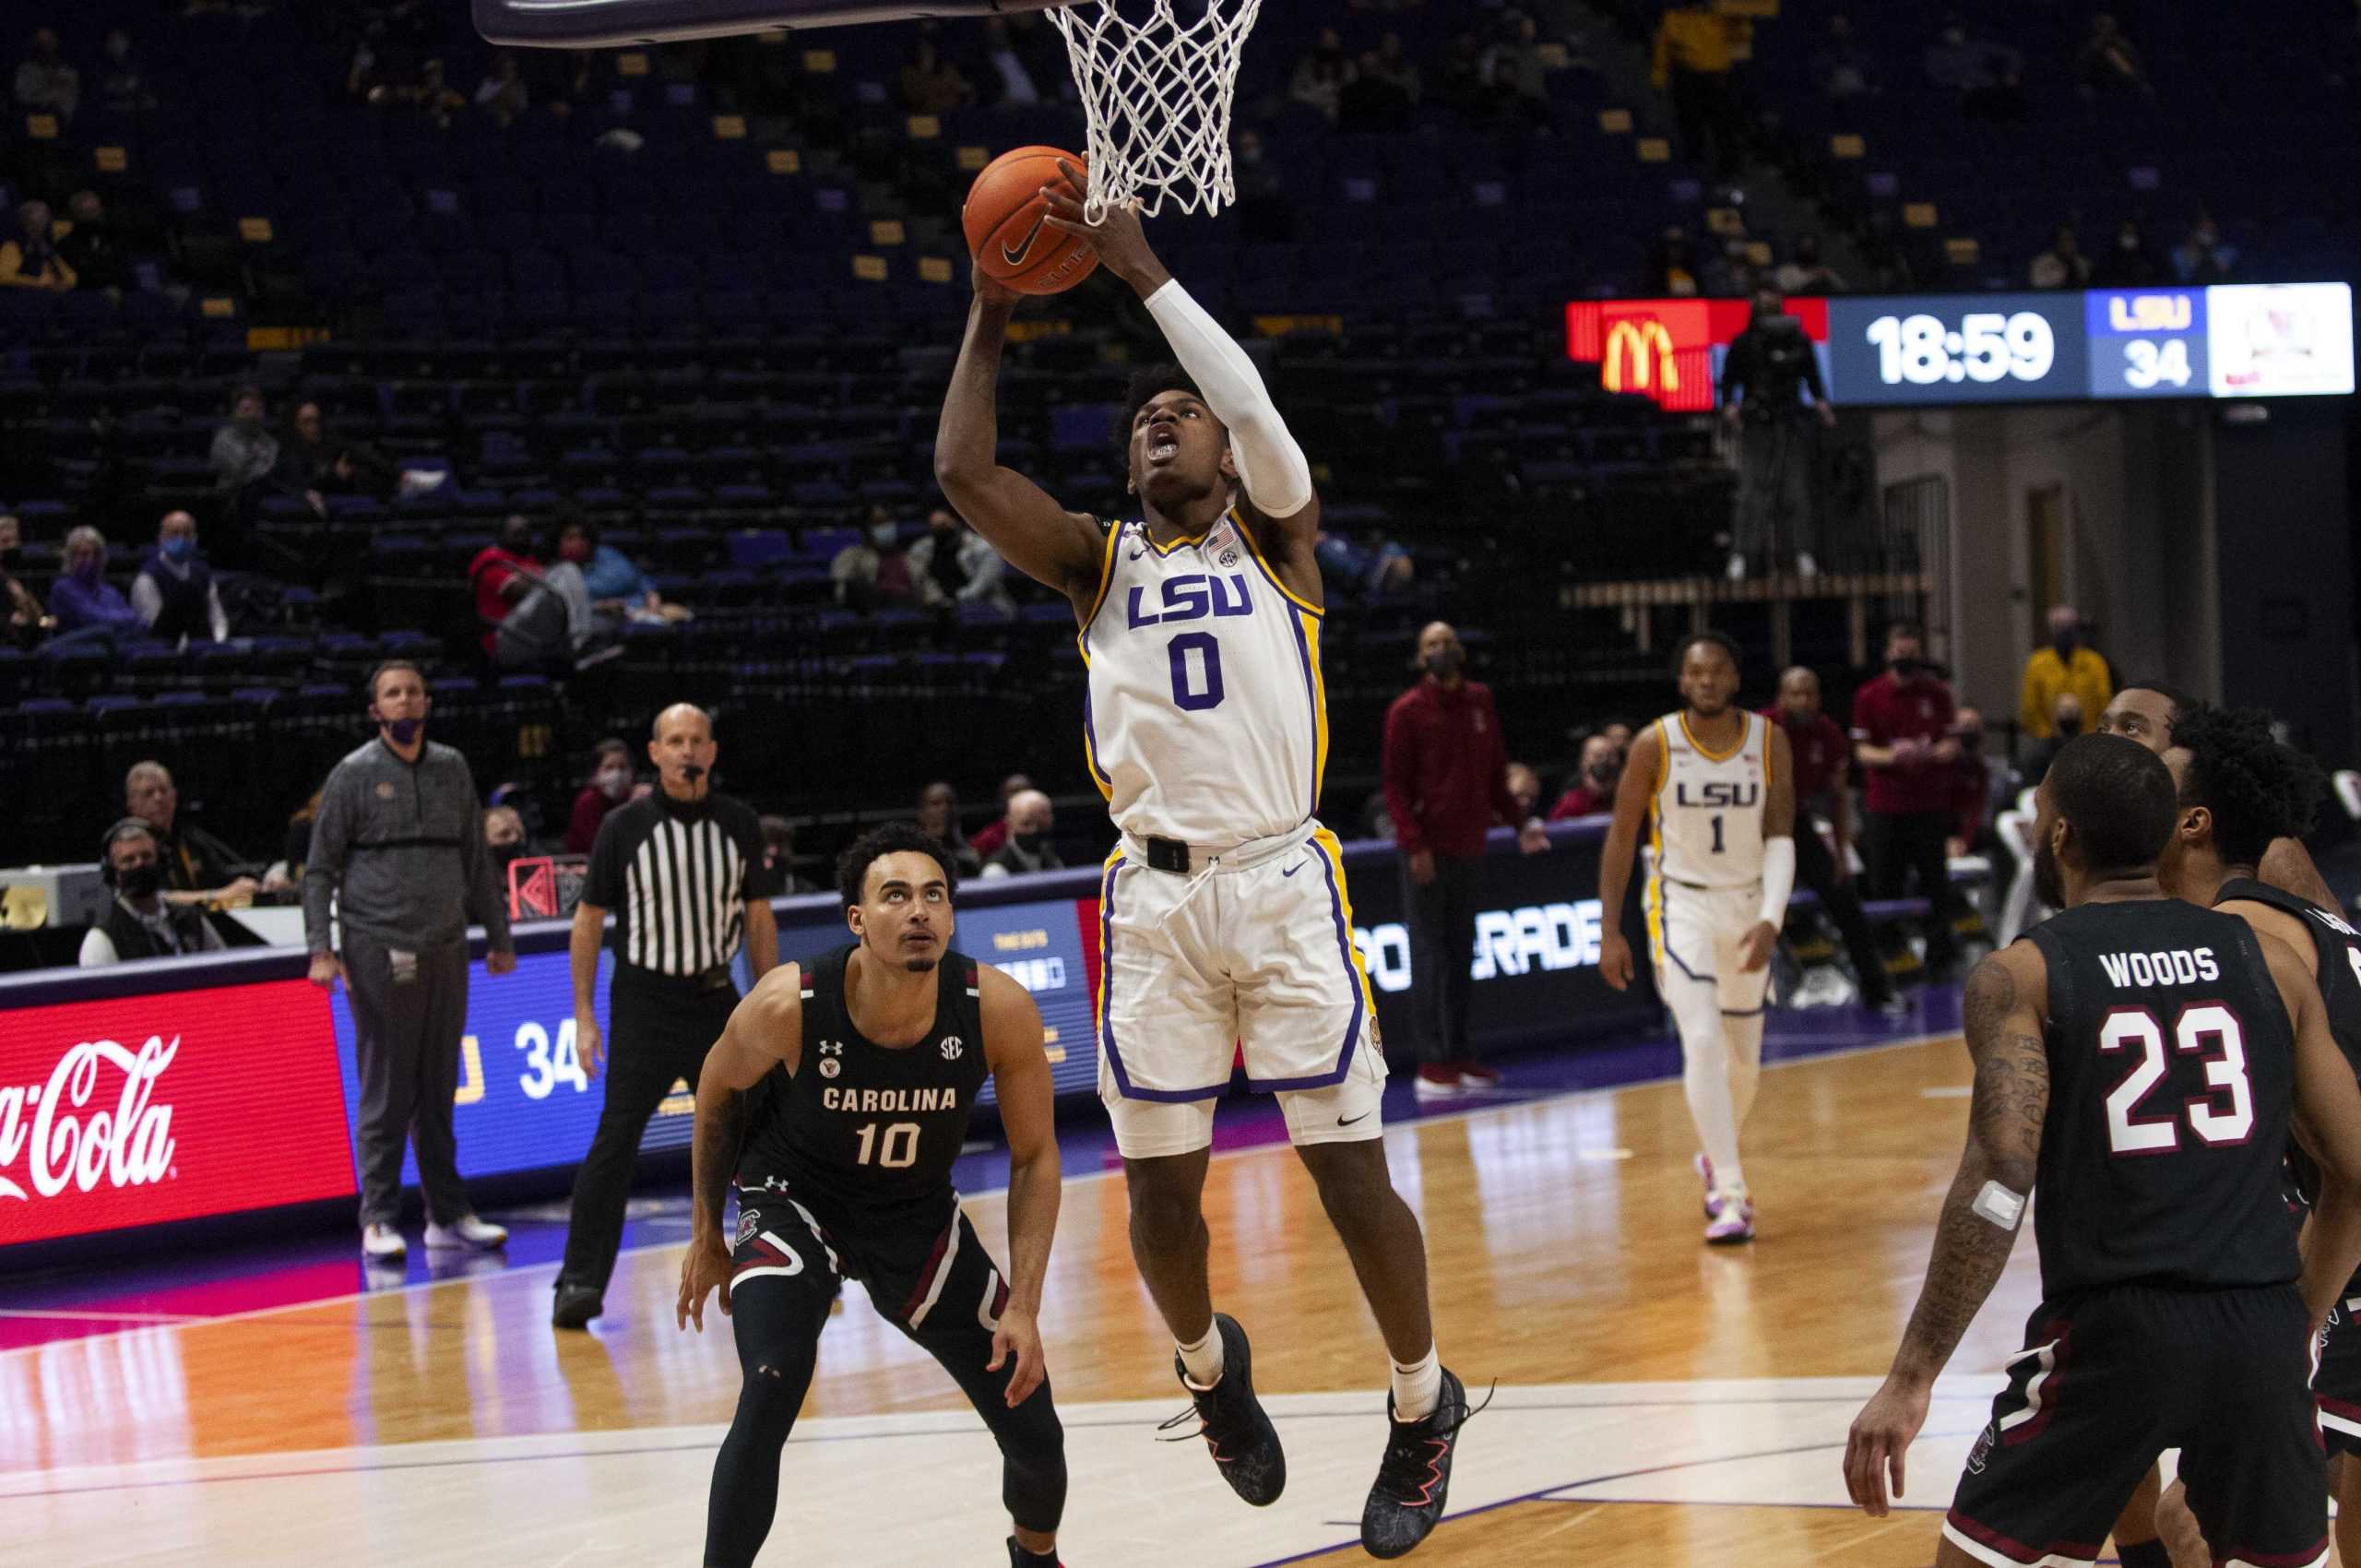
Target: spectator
(1839,68)
(1393,65)
(930,83)
(1902,740)
(1350,569)
(123,85)
(174,593)
(778,875)
(1319,76)
(434,96)
(1989,78)
(1617,730)
(615,583)
(875,573)
(1026,845)
(1371,104)
(398,851)
(1768,368)
(2063,265)
(139,922)
(1010,73)
(1823,763)
(243,452)
(2108,67)
(90,246)
(317,464)
(938,819)
(2063,721)
(1461,80)
(1513,68)
(1445,766)
(294,849)
(1525,788)
(1671,273)
(993,834)
(45,83)
(501,574)
(609,787)
(2066,663)
(1265,215)
(1731,274)
(1692,58)
(2130,263)
(1599,769)
(503,90)
(1972,803)
(953,565)
(194,862)
(82,599)
(2202,258)
(27,622)
(32,259)
(504,841)
(1804,273)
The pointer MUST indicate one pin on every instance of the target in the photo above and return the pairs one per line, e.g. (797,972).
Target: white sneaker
(382,1240)
(1805,565)
(470,1231)
(1736,567)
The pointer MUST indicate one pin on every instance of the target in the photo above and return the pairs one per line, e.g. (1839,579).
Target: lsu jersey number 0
(1205,720)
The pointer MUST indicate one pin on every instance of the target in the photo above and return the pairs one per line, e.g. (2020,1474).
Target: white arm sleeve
(1778,878)
(1271,466)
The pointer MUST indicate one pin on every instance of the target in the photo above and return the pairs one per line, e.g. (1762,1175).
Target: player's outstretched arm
(2328,1124)
(1631,796)
(1059,548)
(1778,852)
(1272,469)
(2004,1007)
(764,1029)
(1013,1043)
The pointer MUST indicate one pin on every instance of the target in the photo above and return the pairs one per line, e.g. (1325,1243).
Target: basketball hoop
(1157,94)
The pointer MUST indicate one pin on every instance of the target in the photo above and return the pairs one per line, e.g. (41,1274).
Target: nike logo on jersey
(1139,553)
(1014,254)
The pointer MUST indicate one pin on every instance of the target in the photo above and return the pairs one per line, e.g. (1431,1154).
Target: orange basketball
(1004,218)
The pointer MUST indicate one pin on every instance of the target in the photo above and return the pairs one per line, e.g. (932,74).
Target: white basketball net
(1157,93)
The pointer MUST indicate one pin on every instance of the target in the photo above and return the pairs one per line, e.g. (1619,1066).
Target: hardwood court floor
(1660,1403)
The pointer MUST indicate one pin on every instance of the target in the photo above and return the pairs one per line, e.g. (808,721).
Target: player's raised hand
(1019,1334)
(1880,1436)
(990,291)
(703,1266)
(1754,949)
(1118,237)
(1615,960)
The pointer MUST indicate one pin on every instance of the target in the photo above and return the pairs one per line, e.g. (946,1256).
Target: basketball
(1004,218)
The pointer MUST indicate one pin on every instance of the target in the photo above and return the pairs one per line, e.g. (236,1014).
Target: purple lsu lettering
(1719,794)
(1193,596)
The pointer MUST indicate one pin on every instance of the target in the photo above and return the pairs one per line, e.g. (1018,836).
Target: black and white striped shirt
(677,877)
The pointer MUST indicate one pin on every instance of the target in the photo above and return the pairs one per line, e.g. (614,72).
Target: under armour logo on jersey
(952,1047)
(832,1048)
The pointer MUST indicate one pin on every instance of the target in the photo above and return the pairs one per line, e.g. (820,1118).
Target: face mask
(84,571)
(1026,843)
(1443,663)
(614,783)
(1907,669)
(402,732)
(180,549)
(517,544)
(1602,773)
(10,557)
(1973,740)
(504,853)
(2066,644)
(883,536)
(2069,728)
(574,550)
(140,882)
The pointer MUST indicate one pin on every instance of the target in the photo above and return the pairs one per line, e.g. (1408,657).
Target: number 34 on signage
(547,1063)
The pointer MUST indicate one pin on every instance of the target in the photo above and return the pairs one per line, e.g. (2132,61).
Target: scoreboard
(2227,341)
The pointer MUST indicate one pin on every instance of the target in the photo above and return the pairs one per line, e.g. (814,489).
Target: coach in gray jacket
(398,837)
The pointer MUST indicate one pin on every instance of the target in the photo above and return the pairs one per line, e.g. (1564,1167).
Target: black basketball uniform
(2169,1316)
(845,1174)
(2336,950)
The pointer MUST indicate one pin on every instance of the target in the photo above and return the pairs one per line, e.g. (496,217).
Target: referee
(682,868)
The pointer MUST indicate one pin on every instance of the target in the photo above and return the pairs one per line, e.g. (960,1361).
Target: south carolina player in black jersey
(2139,1064)
(857,1078)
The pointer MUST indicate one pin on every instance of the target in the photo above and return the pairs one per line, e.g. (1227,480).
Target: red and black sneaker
(1245,1445)
(1415,1476)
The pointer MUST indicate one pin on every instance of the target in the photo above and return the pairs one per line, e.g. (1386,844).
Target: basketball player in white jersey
(1223,912)
(1716,785)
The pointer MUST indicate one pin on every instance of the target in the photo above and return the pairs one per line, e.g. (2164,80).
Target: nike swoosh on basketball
(1014,255)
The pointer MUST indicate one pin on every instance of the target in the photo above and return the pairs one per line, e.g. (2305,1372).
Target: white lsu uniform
(1207,726)
(1705,876)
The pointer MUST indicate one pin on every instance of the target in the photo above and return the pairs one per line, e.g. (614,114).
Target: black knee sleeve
(778,1322)
(1033,1463)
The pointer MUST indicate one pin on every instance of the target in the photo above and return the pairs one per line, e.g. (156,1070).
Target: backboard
(589,24)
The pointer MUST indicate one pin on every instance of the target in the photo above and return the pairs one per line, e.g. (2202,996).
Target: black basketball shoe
(1415,1476)
(1020,1557)
(1245,1445)
(576,1305)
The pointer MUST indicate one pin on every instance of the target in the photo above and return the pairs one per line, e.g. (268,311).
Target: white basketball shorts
(1694,935)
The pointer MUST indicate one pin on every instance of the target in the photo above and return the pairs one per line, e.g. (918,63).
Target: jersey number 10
(2226,1069)
(901,1145)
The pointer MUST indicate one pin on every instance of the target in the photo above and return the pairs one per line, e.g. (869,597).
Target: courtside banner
(140,1109)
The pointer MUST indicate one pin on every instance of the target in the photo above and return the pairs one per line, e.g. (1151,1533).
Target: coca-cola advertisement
(141,1109)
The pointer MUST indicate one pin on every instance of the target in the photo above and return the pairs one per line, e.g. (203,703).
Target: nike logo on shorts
(1348,1121)
(1295,868)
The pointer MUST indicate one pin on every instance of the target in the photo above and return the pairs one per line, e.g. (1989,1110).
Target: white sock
(1707,1077)
(1202,1360)
(1744,1036)
(1417,1387)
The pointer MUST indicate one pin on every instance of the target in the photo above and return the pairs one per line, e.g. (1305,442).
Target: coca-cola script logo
(65,1142)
